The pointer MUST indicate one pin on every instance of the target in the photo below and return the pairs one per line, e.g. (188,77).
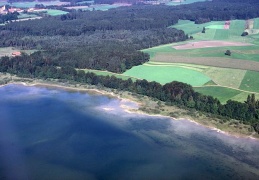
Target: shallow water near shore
(48,133)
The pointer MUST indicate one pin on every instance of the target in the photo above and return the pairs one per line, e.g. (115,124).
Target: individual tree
(228,53)
(203,30)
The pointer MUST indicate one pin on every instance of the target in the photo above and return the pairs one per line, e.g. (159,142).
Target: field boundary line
(228,88)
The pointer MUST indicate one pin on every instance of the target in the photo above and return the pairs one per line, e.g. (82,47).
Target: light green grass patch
(242,97)
(221,34)
(55,12)
(256,23)
(107,73)
(199,68)
(215,26)
(226,76)
(250,81)
(172,3)
(167,74)
(208,35)
(189,27)
(221,93)
(237,27)
(25,15)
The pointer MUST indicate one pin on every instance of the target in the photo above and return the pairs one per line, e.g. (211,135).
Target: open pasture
(212,61)
(250,53)
(221,93)
(55,12)
(220,76)
(209,44)
(32,4)
(217,30)
(189,27)
(166,74)
(226,76)
(256,23)
(250,81)
(107,73)
(178,2)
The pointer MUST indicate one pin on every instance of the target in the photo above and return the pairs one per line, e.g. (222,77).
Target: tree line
(174,93)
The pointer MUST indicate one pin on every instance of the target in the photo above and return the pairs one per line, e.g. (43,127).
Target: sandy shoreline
(127,109)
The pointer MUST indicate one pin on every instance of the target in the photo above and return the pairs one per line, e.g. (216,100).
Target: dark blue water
(55,134)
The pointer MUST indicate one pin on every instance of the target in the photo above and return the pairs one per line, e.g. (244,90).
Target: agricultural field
(32,4)
(216,91)
(107,73)
(250,81)
(167,73)
(55,12)
(25,16)
(223,94)
(178,2)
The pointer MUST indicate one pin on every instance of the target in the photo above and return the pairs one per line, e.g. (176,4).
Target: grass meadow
(166,74)
(55,12)
(250,81)
(107,73)
(216,91)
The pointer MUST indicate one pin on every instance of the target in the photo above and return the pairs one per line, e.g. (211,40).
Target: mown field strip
(209,61)
(223,93)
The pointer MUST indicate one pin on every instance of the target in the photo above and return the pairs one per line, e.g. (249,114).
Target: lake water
(55,134)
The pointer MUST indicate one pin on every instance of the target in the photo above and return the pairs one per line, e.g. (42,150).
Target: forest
(112,40)
(174,93)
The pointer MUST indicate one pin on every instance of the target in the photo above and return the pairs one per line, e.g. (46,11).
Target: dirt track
(210,61)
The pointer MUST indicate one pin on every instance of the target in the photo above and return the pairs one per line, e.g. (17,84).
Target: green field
(250,53)
(55,12)
(190,28)
(171,3)
(223,94)
(32,4)
(166,74)
(107,73)
(250,81)
(256,23)
(217,92)
(230,83)
(215,30)
(25,15)
(215,26)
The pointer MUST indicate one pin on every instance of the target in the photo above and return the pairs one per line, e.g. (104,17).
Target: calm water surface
(55,134)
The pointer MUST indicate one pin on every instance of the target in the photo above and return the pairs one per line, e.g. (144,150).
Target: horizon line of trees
(174,93)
